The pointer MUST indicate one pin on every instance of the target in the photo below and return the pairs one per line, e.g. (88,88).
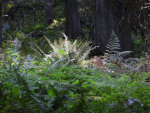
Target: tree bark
(111,15)
(122,26)
(1,23)
(73,27)
(49,12)
(102,24)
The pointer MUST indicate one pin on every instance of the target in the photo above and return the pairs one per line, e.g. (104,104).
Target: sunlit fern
(63,48)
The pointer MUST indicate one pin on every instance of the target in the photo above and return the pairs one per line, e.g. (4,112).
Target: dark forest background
(92,20)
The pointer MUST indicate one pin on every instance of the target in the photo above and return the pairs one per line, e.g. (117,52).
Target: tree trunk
(102,24)
(122,26)
(0,23)
(110,15)
(73,27)
(49,12)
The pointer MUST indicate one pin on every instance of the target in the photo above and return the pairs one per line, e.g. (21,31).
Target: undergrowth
(47,87)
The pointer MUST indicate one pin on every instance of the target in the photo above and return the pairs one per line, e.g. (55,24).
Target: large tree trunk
(49,12)
(0,23)
(110,15)
(102,24)
(73,27)
(122,26)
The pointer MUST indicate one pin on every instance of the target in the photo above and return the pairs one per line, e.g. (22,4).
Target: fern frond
(113,45)
(113,48)
(63,48)
(40,50)
(49,42)
(124,53)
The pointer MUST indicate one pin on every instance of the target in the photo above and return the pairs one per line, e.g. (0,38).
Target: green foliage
(139,45)
(53,84)
(70,89)
(113,45)
(75,51)
(113,49)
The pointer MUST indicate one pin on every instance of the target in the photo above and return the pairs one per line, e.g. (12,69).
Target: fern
(113,49)
(63,48)
(113,45)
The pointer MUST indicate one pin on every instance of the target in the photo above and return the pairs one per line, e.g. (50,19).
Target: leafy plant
(113,45)
(76,51)
(69,89)
(112,56)
(113,48)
